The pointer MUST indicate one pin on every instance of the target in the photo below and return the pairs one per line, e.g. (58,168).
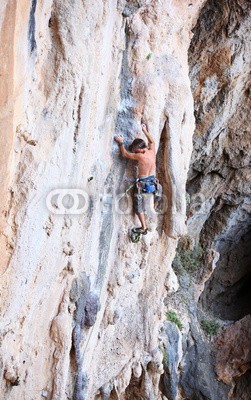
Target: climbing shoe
(135,237)
(140,231)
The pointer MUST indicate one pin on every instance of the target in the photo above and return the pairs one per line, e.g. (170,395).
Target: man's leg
(142,220)
(138,205)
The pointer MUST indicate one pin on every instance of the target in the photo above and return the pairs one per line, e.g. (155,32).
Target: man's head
(137,146)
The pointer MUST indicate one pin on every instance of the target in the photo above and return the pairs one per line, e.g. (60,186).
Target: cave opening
(227,294)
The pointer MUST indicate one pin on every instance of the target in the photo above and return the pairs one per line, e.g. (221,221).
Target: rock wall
(81,306)
(212,262)
(8,12)
(219,179)
(220,167)
(83,310)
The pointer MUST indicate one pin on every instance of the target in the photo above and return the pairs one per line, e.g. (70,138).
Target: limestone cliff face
(214,275)
(219,177)
(81,305)
(83,308)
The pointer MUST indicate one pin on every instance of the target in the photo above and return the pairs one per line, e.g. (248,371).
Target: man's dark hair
(138,144)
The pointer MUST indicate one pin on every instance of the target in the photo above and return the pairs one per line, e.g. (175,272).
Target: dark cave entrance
(228,292)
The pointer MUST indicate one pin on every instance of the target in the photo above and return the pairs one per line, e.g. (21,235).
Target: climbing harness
(149,184)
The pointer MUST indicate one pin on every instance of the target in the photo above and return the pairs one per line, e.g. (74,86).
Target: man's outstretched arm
(149,137)
(120,140)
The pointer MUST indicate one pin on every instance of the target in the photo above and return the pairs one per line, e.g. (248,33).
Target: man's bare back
(147,163)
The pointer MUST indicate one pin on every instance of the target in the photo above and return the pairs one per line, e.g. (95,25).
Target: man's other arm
(149,137)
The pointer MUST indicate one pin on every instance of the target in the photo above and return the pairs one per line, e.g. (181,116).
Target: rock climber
(146,184)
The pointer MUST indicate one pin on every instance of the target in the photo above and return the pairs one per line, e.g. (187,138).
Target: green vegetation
(149,56)
(165,359)
(191,257)
(210,327)
(173,317)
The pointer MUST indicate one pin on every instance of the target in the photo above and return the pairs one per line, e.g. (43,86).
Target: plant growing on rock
(173,317)
(210,327)
(165,359)
(191,256)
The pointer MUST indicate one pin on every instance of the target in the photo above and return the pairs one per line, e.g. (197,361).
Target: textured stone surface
(220,169)
(194,362)
(172,350)
(219,176)
(242,387)
(220,75)
(81,306)
(198,378)
(78,73)
(7,96)
(233,357)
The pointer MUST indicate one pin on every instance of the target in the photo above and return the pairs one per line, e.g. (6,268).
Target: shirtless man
(146,158)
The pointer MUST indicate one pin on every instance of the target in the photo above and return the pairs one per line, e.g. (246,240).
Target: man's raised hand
(119,139)
(149,137)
